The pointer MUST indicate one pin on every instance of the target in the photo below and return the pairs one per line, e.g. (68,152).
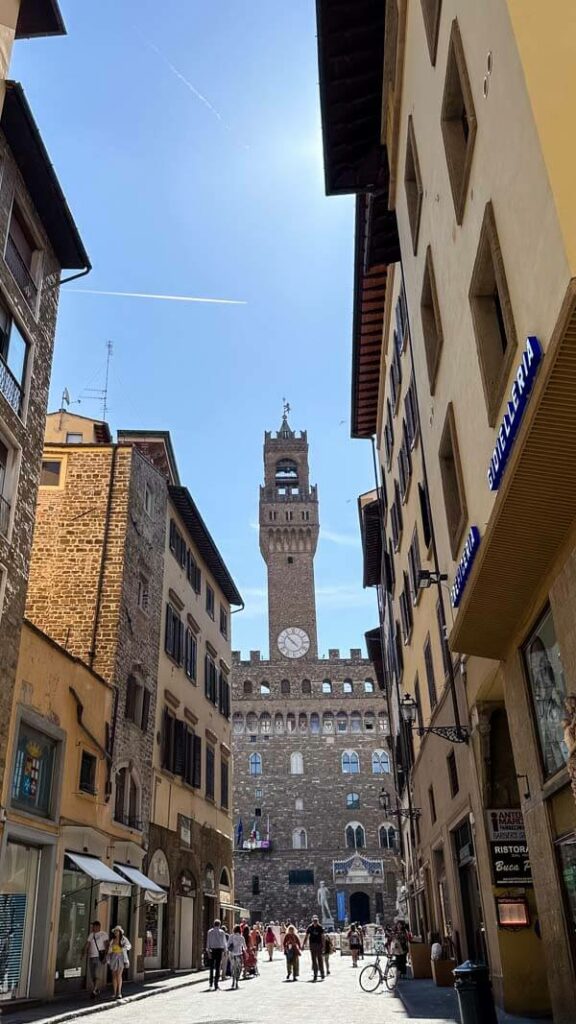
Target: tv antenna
(101,394)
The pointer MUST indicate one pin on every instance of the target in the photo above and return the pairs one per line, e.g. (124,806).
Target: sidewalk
(64,1008)
(425,1001)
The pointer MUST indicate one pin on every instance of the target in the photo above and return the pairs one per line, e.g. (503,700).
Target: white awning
(110,883)
(152,893)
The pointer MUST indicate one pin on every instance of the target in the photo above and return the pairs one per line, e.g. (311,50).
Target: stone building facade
(37,239)
(309,735)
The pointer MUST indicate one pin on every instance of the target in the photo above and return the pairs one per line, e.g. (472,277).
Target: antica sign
(519,392)
(465,566)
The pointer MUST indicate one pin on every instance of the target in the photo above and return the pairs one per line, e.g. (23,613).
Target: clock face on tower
(293,642)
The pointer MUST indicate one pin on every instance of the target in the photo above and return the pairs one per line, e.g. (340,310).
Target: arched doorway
(360,907)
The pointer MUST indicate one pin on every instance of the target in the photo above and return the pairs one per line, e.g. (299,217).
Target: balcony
(21,273)
(300,494)
(9,387)
(255,846)
(4,516)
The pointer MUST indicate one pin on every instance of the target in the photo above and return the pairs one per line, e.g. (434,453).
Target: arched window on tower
(290,722)
(347,686)
(255,762)
(341,722)
(265,689)
(265,723)
(247,687)
(350,762)
(355,722)
(296,763)
(355,836)
(286,472)
(314,723)
(303,722)
(368,686)
(353,801)
(238,722)
(327,686)
(278,723)
(387,837)
(306,687)
(285,687)
(380,762)
(252,723)
(328,723)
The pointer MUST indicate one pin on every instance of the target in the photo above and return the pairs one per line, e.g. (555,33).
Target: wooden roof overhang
(534,512)
(351,72)
(376,245)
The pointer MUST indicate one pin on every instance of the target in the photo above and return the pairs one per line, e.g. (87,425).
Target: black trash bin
(472,983)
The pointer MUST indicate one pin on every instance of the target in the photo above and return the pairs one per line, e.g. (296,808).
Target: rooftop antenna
(101,394)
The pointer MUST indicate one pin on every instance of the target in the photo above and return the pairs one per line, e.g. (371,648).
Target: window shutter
(179,747)
(221,692)
(145,709)
(207,676)
(169,630)
(166,739)
(425,513)
(172,536)
(197,773)
(130,698)
(189,757)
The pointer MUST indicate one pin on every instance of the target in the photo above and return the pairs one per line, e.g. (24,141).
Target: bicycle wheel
(370,978)
(391,977)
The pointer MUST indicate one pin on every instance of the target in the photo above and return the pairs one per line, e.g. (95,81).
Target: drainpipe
(100,586)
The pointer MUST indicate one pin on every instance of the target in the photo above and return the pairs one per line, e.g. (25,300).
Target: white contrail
(165,298)
(187,82)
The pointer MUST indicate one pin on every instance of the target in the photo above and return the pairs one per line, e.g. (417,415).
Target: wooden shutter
(145,709)
(179,747)
(197,772)
(131,691)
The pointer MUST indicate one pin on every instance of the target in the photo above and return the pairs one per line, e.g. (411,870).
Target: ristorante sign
(519,392)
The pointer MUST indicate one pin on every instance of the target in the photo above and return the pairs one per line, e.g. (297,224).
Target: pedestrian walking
(354,943)
(328,950)
(96,949)
(292,952)
(117,958)
(270,942)
(314,938)
(236,952)
(215,948)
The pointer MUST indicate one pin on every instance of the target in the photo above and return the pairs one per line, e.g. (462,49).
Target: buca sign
(465,565)
(519,392)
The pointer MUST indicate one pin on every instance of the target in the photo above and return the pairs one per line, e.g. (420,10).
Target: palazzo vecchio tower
(310,734)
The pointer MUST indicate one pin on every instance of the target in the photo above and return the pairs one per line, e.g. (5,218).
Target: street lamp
(452,733)
(402,812)
(427,578)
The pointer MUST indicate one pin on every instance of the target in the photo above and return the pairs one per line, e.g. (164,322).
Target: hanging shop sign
(465,564)
(506,825)
(519,394)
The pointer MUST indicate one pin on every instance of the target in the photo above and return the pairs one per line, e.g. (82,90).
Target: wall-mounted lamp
(427,579)
(402,812)
(452,733)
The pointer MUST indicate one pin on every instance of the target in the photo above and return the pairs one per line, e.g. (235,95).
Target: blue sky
(187,138)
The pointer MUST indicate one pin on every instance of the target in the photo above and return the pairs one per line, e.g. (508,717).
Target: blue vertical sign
(341,905)
(519,393)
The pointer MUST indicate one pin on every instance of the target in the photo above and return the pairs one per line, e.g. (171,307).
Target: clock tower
(288,538)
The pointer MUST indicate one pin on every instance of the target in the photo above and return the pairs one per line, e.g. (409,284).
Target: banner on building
(341,905)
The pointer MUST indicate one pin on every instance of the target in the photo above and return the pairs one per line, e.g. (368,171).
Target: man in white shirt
(95,949)
(215,947)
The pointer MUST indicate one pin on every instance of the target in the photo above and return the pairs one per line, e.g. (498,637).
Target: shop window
(452,482)
(34,769)
(431,13)
(431,322)
(458,121)
(548,691)
(13,360)
(413,185)
(355,836)
(492,318)
(88,765)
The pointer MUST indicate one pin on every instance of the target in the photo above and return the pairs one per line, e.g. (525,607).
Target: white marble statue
(325,912)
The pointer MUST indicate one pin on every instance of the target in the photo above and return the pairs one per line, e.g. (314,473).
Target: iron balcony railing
(21,273)
(10,387)
(4,516)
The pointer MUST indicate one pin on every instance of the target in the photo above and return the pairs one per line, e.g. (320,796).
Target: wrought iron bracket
(452,733)
(403,812)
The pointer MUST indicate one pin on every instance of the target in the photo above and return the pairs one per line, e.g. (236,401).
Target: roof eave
(38,18)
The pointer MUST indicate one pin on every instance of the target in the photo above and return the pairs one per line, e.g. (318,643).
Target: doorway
(186,932)
(18,892)
(359,908)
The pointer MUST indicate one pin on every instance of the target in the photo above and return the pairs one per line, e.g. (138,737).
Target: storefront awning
(110,883)
(152,893)
(230,906)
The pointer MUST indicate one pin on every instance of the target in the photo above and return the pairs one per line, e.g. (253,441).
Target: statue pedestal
(328,924)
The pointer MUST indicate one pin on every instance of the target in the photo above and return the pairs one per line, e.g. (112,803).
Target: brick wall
(323,787)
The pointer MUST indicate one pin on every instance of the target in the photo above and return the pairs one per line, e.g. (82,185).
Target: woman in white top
(236,949)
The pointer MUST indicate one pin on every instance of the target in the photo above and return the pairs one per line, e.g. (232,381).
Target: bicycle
(373,975)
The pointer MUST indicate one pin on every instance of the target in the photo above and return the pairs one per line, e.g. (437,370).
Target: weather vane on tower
(286,408)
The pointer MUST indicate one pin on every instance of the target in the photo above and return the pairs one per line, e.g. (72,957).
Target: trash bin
(472,983)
